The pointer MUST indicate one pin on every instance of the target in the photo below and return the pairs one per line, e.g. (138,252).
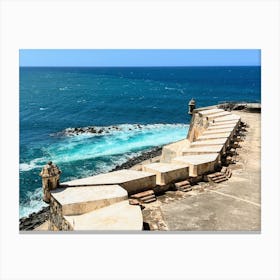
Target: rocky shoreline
(95,130)
(35,219)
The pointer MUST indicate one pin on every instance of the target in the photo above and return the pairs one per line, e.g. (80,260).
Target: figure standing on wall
(50,179)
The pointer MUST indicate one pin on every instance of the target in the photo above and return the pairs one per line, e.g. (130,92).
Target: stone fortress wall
(113,201)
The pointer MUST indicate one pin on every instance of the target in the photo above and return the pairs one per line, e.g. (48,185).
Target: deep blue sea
(53,99)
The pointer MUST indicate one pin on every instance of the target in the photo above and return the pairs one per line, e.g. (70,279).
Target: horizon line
(135,66)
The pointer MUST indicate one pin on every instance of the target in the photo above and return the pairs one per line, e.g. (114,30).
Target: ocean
(135,109)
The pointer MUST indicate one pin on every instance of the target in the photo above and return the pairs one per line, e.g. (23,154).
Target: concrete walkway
(230,206)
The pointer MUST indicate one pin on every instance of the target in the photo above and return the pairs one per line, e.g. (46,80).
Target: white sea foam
(35,163)
(129,138)
(63,88)
(33,204)
(169,88)
(43,109)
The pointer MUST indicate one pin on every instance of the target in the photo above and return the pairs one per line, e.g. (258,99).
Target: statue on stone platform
(50,179)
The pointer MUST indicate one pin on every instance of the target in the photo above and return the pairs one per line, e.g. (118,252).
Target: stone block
(120,216)
(203,150)
(132,180)
(167,172)
(218,130)
(79,200)
(199,164)
(214,136)
(209,112)
(212,142)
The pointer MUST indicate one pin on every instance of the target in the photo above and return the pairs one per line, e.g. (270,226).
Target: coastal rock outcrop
(97,130)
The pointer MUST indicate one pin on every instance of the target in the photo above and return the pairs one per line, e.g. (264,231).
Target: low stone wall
(56,220)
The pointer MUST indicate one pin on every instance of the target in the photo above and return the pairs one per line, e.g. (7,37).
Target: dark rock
(34,219)
(144,156)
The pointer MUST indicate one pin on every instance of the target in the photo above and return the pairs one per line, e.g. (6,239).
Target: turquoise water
(53,99)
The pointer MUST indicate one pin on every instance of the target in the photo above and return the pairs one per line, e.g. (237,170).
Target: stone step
(202,150)
(213,175)
(217,177)
(143,194)
(134,202)
(147,197)
(183,183)
(220,180)
(203,137)
(218,115)
(230,117)
(209,112)
(185,188)
(218,130)
(226,122)
(221,126)
(150,200)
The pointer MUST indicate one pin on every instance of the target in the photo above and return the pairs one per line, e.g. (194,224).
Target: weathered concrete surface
(214,136)
(205,143)
(203,150)
(217,130)
(206,113)
(231,117)
(218,115)
(198,164)
(230,206)
(219,126)
(167,173)
(118,216)
(131,180)
(79,200)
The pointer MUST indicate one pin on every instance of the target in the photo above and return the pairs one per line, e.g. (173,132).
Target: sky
(134,57)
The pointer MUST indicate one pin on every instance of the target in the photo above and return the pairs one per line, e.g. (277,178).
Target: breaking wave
(34,203)
(124,139)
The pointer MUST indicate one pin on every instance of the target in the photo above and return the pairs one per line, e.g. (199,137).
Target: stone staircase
(217,177)
(184,186)
(145,197)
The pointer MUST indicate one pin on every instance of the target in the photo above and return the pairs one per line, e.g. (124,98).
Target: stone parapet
(167,173)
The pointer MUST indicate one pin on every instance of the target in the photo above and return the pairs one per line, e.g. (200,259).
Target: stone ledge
(199,164)
(79,200)
(131,180)
(119,216)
